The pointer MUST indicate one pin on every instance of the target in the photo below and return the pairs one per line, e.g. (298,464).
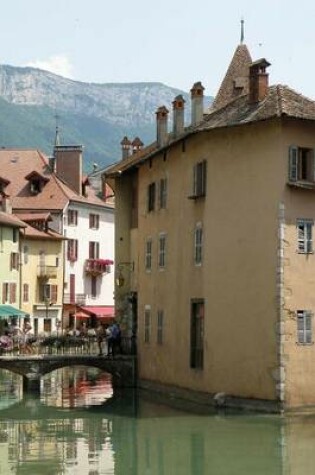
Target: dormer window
(36,181)
(35,187)
(3,184)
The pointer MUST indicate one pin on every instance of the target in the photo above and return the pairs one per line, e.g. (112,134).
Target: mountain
(94,115)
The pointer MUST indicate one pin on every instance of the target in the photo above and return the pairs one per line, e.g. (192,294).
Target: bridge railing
(65,345)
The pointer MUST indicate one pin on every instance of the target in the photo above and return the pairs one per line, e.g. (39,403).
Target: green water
(77,426)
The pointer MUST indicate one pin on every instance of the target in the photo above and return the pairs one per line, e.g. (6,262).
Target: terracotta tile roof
(18,165)
(11,220)
(29,217)
(34,233)
(281,101)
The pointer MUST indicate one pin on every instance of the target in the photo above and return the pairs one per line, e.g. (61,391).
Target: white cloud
(58,64)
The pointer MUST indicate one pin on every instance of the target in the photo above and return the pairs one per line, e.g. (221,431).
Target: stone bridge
(123,368)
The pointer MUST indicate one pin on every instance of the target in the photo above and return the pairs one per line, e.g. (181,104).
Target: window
(151,197)
(15,235)
(48,293)
(305,236)
(93,286)
(72,250)
(94,221)
(147,324)
(25,252)
(198,244)
(8,292)
(14,260)
(163,193)
(25,292)
(72,217)
(196,334)
(160,321)
(199,185)
(162,250)
(94,250)
(304,326)
(35,186)
(301,164)
(148,254)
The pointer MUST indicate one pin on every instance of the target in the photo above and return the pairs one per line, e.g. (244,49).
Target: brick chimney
(136,145)
(258,81)
(125,147)
(69,165)
(178,115)
(196,103)
(161,126)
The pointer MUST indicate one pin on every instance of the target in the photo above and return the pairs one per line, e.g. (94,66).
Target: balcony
(47,272)
(75,299)
(97,267)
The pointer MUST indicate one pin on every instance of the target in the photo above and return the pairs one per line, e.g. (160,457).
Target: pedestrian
(100,337)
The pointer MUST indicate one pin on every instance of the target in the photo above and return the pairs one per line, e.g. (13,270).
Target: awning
(106,311)
(81,314)
(8,311)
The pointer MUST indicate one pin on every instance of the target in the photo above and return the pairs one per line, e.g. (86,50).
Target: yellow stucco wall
(247,176)
(30,261)
(7,246)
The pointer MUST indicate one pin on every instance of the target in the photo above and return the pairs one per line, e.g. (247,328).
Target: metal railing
(76,299)
(66,345)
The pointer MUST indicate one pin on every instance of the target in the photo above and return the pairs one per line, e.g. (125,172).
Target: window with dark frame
(304,327)
(93,286)
(162,251)
(72,217)
(160,324)
(147,324)
(163,193)
(198,244)
(301,164)
(151,197)
(199,183)
(94,250)
(72,250)
(94,221)
(305,236)
(25,293)
(197,333)
(148,254)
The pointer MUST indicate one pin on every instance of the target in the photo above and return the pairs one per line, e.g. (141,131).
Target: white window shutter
(293,163)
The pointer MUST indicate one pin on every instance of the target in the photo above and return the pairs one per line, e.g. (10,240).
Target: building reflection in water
(79,426)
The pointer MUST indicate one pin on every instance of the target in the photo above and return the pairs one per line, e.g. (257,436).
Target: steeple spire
(242,30)
(57,137)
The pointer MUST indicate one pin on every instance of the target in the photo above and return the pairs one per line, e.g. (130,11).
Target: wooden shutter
(68,250)
(12,292)
(91,250)
(293,163)
(76,249)
(91,221)
(4,293)
(53,293)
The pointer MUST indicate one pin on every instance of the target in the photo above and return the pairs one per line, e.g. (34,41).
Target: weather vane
(242,30)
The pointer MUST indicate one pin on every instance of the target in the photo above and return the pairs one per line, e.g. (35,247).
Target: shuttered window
(147,324)
(160,324)
(305,236)
(72,250)
(148,254)
(304,327)
(301,164)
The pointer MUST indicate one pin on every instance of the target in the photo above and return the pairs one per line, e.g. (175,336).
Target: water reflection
(79,426)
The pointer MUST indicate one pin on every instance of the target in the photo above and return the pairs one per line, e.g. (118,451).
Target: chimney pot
(136,145)
(258,80)
(161,126)
(196,93)
(125,147)
(178,115)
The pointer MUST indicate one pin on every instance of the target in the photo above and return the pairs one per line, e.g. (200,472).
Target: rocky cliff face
(99,114)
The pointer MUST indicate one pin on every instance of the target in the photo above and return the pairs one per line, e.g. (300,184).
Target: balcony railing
(76,299)
(97,266)
(47,272)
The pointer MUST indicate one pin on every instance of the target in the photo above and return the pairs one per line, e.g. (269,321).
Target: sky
(175,42)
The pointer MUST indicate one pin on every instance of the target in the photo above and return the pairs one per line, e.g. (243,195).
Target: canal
(78,426)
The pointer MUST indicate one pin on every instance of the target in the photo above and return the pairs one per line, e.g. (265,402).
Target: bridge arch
(34,367)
